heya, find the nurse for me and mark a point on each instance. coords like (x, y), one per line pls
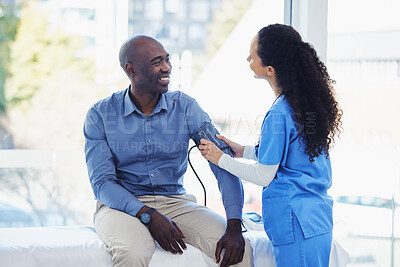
(292, 156)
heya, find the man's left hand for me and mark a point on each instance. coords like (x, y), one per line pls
(232, 242)
(210, 151)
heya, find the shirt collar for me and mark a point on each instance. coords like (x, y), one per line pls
(162, 104)
(130, 107)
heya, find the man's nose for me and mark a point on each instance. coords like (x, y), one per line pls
(166, 66)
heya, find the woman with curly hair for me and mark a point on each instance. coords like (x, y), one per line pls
(292, 155)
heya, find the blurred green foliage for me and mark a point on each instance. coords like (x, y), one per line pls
(8, 26)
(38, 55)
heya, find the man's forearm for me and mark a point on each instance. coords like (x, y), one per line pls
(234, 225)
(141, 211)
(117, 197)
(231, 191)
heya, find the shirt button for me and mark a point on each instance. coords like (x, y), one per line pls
(148, 141)
(152, 175)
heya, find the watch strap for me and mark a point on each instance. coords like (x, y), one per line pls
(150, 211)
(148, 214)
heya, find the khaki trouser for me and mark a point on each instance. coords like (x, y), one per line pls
(131, 243)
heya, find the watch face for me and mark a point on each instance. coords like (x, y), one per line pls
(145, 218)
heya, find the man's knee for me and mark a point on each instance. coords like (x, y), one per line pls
(126, 238)
(247, 256)
(134, 255)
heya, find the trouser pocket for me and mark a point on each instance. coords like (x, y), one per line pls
(277, 214)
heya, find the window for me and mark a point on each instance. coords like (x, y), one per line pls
(137, 5)
(200, 10)
(363, 58)
(154, 9)
(71, 75)
(197, 34)
(176, 9)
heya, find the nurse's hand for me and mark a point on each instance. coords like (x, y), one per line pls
(236, 148)
(210, 151)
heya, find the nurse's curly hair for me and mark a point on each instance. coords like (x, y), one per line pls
(305, 83)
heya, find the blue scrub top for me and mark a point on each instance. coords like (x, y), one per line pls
(300, 186)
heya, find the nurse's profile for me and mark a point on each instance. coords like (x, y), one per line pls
(292, 156)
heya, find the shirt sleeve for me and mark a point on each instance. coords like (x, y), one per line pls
(250, 153)
(272, 139)
(255, 173)
(229, 185)
(101, 168)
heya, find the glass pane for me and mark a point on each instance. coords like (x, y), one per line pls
(200, 10)
(68, 51)
(154, 9)
(363, 58)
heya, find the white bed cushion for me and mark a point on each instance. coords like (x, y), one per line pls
(79, 246)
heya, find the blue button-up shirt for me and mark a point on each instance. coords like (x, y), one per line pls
(129, 154)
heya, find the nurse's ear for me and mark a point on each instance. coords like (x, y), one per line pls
(270, 71)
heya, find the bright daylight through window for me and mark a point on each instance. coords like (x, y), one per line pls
(58, 58)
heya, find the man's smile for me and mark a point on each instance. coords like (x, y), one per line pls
(164, 79)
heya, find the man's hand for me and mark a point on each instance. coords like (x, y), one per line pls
(210, 151)
(232, 242)
(165, 232)
(236, 148)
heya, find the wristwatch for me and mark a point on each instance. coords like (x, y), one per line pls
(146, 216)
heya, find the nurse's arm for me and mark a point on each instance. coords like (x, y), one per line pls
(250, 153)
(255, 173)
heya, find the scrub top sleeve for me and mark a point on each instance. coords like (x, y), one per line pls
(272, 139)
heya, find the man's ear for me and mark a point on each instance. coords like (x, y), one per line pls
(129, 69)
(270, 71)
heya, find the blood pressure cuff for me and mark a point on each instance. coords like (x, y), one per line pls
(209, 132)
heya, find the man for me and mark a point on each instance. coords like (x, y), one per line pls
(136, 152)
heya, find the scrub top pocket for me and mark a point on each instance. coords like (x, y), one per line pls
(277, 216)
